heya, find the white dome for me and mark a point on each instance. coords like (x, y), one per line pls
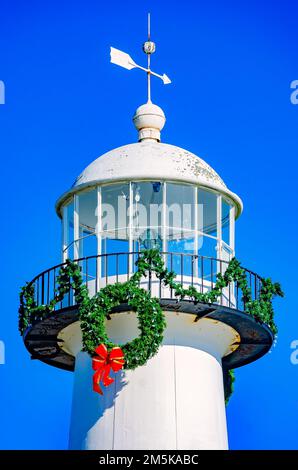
(150, 160)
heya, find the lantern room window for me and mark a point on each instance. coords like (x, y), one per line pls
(147, 215)
(87, 221)
(68, 230)
(131, 216)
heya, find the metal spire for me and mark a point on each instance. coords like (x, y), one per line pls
(149, 48)
(124, 60)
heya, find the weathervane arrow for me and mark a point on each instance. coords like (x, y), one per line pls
(124, 60)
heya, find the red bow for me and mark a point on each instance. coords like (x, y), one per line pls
(103, 363)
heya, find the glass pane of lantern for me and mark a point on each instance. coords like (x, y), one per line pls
(181, 242)
(180, 207)
(208, 246)
(182, 265)
(207, 267)
(207, 202)
(87, 223)
(147, 214)
(114, 215)
(225, 221)
(180, 222)
(117, 263)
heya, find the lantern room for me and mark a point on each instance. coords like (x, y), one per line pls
(148, 195)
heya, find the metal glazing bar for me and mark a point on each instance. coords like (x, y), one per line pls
(106, 268)
(130, 227)
(182, 270)
(86, 270)
(171, 268)
(232, 230)
(98, 229)
(65, 240)
(196, 228)
(218, 226)
(76, 235)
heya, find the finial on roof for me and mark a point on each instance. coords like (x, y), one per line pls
(149, 120)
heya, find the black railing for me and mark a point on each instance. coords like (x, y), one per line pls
(191, 270)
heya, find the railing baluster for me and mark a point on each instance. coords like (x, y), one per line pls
(159, 288)
(96, 274)
(237, 295)
(86, 263)
(181, 262)
(42, 289)
(244, 303)
(220, 270)
(171, 268)
(48, 288)
(54, 284)
(69, 297)
(229, 294)
(138, 256)
(37, 291)
(202, 273)
(106, 262)
(45, 286)
(149, 280)
(256, 291)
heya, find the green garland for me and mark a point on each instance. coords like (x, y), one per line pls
(94, 311)
(229, 385)
(260, 309)
(68, 278)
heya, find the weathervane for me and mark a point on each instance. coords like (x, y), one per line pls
(124, 60)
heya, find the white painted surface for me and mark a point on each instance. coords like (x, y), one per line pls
(175, 401)
(149, 119)
(153, 161)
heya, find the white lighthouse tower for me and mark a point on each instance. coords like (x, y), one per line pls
(177, 399)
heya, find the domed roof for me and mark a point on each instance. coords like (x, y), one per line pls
(150, 160)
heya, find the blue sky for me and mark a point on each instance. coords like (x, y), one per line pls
(231, 64)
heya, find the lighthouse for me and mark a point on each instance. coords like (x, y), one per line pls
(149, 197)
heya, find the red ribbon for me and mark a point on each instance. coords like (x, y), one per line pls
(103, 363)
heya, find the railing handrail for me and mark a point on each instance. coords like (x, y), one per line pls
(122, 253)
(130, 253)
(201, 271)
